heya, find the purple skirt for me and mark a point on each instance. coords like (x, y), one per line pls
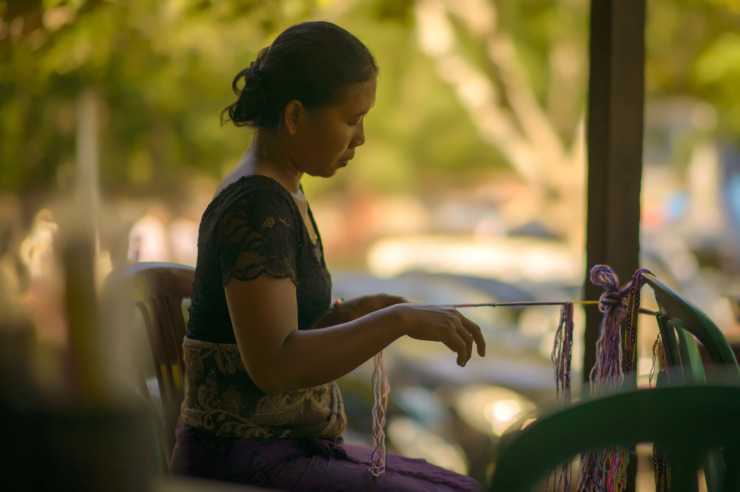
(308, 464)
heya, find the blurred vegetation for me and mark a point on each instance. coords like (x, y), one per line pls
(694, 50)
(161, 71)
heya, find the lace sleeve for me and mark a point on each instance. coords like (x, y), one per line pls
(258, 234)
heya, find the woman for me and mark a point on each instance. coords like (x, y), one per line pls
(265, 345)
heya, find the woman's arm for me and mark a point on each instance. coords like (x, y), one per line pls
(279, 357)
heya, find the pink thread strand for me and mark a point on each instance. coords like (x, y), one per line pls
(381, 390)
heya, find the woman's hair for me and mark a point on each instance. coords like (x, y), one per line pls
(313, 62)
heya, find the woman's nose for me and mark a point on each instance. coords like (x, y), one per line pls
(359, 136)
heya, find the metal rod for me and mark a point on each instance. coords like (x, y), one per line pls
(522, 304)
(539, 303)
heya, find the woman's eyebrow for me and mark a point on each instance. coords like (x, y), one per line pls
(363, 113)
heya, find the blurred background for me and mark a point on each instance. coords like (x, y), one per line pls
(470, 187)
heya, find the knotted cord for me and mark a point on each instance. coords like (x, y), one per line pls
(597, 466)
(605, 469)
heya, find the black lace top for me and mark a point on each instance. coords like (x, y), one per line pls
(254, 227)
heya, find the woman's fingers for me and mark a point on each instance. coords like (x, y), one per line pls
(455, 344)
(467, 339)
(465, 335)
(477, 335)
(447, 325)
(469, 333)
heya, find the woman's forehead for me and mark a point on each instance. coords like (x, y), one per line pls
(360, 96)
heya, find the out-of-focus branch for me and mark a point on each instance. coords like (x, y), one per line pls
(475, 90)
(505, 110)
(500, 100)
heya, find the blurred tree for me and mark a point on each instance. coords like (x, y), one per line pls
(501, 84)
(694, 50)
(519, 70)
(162, 70)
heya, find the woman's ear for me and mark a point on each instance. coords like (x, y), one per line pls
(292, 115)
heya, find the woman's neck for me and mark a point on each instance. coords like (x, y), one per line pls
(267, 157)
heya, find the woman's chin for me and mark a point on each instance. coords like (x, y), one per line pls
(332, 171)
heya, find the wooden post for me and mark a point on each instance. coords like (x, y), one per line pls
(614, 140)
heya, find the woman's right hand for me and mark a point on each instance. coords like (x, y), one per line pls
(445, 324)
(345, 311)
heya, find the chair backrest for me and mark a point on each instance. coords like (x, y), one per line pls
(687, 421)
(681, 323)
(157, 290)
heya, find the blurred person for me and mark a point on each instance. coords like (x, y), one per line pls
(16, 329)
(183, 238)
(265, 344)
(149, 237)
(12, 276)
(44, 296)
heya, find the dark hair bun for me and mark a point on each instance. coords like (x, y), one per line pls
(252, 101)
(313, 62)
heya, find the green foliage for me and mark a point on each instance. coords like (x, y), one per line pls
(162, 70)
(693, 50)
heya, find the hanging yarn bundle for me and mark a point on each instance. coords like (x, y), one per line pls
(605, 469)
(607, 370)
(630, 322)
(562, 354)
(381, 389)
(661, 465)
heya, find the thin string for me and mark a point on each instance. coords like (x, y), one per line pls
(381, 389)
(561, 357)
(661, 465)
(562, 352)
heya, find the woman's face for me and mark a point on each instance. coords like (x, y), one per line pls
(326, 138)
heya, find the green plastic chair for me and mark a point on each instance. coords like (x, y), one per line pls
(680, 324)
(687, 421)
